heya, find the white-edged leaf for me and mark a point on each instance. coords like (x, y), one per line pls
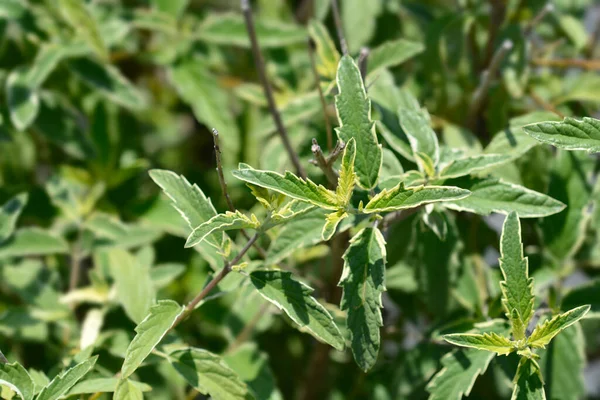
(331, 223)
(289, 185)
(22, 98)
(487, 341)
(66, 380)
(392, 53)
(17, 379)
(528, 383)
(517, 286)
(354, 114)
(570, 134)
(221, 223)
(347, 176)
(543, 333)
(401, 197)
(363, 281)
(422, 139)
(149, 333)
(494, 195)
(9, 213)
(209, 374)
(188, 199)
(294, 298)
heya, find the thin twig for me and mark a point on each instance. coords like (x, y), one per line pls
(548, 8)
(260, 66)
(545, 105)
(323, 164)
(338, 26)
(590, 65)
(245, 333)
(480, 94)
(338, 150)
(363, 58)
(214, 282)
(3, 359)
(76, 261)
(311, 53)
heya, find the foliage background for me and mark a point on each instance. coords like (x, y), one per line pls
(90, 104)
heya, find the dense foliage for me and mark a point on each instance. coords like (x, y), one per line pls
(404, 206)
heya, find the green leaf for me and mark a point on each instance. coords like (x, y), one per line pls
(331, 223)
(347, 176)
(363, 281)
(517, 286)
(298, 109)
(354, 115)
(543, 333)
(209, 374)
(494, 195)
(252, 366)
(150, 332)
(327, 55)
(188, 199)
(359, 21)
(570, 179)
(221, 223)
(135, 289)
(9, 214)
(127, 390)
(66, 380)
(23, 101)
(33, 242)
(400, 197)
(469, 165)
(200, 89)
(422, 138)
(78, 16)
(486, 341)
(458, 374)
(103, 385)
(109, 82)
(564, 363)
(294, 298)
(17, 379)
(528, 383)
(289, 185)
(392, 53)
(171, 7)
(570, 134)
(230, 29)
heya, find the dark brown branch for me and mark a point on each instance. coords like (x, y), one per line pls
(311, 53)
(214, 282)
(260, 67)
(590, 65)
(338, 26)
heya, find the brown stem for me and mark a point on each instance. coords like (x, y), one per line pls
(545, 105)
(338, 26)
(480, 94)
(311, 53)
(592, 65)
(214, 282)
(260, 67)
(338, 150)
(323, 164)
(245, 333)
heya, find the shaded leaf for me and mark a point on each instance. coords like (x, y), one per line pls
(23, 101)
(9, 214)
(294, 298)
(422, 139)
(78, 16)
(208, 374)
(528, 381)
(363, 281)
